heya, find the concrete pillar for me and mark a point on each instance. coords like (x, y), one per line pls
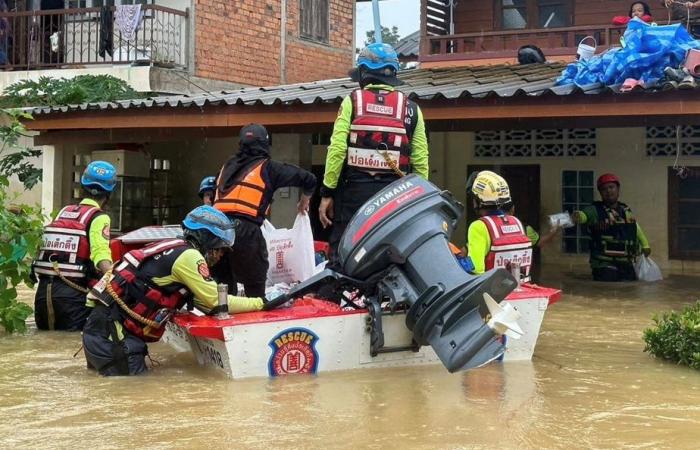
(52, 174)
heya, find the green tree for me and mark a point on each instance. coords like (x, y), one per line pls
(20, 225)
(389, 36)
(676, 336)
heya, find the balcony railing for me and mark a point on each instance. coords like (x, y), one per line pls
(504, 44)
(79, 37)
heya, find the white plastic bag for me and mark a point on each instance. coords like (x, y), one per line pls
(290, 251)
(647, 270)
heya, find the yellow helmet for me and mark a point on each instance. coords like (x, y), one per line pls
(490, 188)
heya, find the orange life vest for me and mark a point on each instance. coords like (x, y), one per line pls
(246, 196)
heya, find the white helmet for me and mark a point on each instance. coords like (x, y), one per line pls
(489, 188)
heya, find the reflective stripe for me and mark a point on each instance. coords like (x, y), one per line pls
(60, 266)
(400, 106)
(133, 261)
(522, 246)
(378, 128)
(65, 231)
(65, 273)
(492, 225)
(358, 103)
(158, 247)
(87, 214)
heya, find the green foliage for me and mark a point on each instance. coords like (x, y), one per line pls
(676, 336)
(47, 91)
(13, 156)
(389, 36)
(20, 225)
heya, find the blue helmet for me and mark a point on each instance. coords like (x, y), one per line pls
(207, 184)
(378, 56)
(210, 228)
(99, 176)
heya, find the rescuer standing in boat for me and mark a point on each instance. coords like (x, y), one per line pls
(244, 191)
(496, 239)
(135, 299)
(616, 237)
(378, 136)
(75, 253)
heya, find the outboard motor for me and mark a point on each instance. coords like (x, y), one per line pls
(396, 247)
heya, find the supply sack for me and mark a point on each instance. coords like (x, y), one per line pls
(290, 251)
(647, 270)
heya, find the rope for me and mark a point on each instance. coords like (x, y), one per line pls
(681, 171)
(391, 162)
(77, 287)
(137, 317)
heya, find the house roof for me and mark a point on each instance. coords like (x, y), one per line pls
(408, 45)
(420, 84)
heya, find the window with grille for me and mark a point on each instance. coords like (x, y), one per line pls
(666, 141)
(577, 192)
(314, 20)
(535, 143)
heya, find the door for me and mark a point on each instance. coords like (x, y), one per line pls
(524, 183)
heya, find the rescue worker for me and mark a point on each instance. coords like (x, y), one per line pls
(378, 136)
(75, 253)
(616, 237)
(496, 239)
(244, 190)
(207, 189)
(135, 299)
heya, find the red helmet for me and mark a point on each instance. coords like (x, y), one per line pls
(608, 178)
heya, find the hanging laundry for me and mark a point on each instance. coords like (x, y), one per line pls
(106, 31)
(127, 18)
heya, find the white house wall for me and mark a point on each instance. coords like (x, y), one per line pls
(619, 150)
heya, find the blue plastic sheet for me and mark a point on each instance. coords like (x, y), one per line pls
(647, 52)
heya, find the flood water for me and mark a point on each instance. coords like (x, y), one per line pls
(588, 386)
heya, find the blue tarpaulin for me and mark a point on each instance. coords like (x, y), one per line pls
(647, 51)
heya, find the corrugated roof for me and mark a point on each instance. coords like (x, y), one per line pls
(420, 84)
(408, 45)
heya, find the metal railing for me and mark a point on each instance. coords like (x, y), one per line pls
(79, 37)
(489, 44)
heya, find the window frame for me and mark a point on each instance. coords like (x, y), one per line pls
(581, 233)
(531, 13)
(320, 33)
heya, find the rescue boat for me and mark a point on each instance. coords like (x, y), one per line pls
(315, 336)
(416, 303)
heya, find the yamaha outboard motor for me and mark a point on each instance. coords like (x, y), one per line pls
(396, 248)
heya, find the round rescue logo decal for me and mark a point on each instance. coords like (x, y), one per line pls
(203, 269)
(293, 351)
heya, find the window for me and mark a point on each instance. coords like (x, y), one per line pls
(314, 22)
(577, 192)
(684, 214)
(521, 14)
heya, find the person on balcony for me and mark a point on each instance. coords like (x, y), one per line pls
(616, 237)
(637, 9)
(75, 253)
(244, 191)
(378, 136)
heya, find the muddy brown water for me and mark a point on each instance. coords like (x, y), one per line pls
(590, 385)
